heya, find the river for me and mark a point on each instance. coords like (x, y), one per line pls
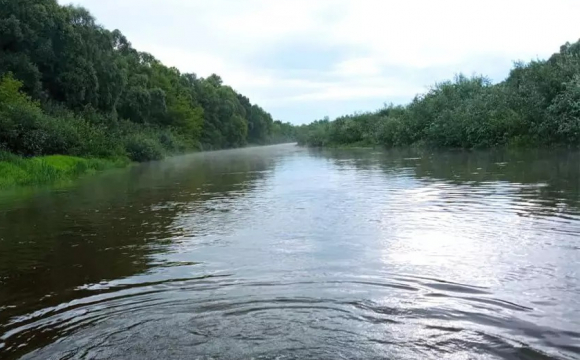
(282, 252)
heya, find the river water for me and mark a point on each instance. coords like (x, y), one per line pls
(288, 253)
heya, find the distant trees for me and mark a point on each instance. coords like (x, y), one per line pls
(283, 132)
(72, 68)
(538, 104)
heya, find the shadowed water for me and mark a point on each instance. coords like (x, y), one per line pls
(287, 253)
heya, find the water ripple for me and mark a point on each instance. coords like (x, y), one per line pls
(299, 254)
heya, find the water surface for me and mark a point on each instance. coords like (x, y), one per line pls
(287, 253)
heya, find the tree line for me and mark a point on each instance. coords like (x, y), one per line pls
(69, 86)
(537, 105)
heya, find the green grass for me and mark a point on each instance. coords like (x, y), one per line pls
(18, 171)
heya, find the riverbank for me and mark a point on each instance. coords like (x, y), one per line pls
(19, 171)
(422, 146)
(535, 106)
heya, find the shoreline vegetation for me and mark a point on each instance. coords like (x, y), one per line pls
(18, 171)
(537, 105)
(74, 94)
(77, 98)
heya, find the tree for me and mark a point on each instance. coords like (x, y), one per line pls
(82, 73)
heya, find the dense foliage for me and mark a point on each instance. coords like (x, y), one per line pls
(69, 86)
(537, 105)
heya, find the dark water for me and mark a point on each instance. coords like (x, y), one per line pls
(287, 253)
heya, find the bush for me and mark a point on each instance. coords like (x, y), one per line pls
(28, 131)
(527, 109)
(141, 148)
(563, 120)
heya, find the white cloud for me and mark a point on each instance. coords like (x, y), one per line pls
(366, 66)
(381, 50)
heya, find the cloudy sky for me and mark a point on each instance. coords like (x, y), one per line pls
(305, 59)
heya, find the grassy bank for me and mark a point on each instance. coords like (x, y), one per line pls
(18, 171)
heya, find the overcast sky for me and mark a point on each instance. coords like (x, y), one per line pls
(304, 59)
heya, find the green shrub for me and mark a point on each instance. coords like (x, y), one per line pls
(563, 120)
(528, 109)
(141, 148)
(28, 131)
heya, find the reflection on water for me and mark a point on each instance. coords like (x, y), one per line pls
(283, 252)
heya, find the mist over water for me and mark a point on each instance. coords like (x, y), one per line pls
(287, 253)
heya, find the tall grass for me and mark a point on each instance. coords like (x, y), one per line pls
(17, 171)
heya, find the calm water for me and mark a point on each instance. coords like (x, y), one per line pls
(288, 253)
